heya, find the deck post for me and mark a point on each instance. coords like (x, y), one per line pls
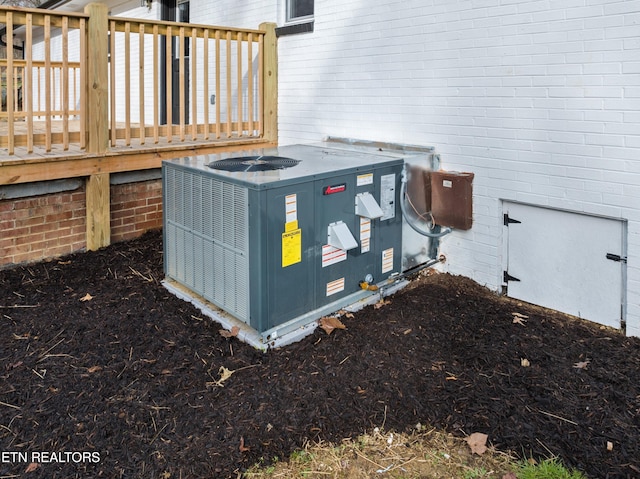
(270, 82)
(98, 211)
(97, 126)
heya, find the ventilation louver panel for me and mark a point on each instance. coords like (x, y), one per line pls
(207, 238)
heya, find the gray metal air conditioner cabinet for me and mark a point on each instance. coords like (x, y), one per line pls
(255, 243)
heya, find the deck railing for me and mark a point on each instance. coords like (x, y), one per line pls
(94, 82)
(39, 84)
(54, 89)
(211, 89)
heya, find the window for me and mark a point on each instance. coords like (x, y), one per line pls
(298, 18)
(299, 10)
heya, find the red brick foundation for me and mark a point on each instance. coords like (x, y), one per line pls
(135, 208)
(53, 225)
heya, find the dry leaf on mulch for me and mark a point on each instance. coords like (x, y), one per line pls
(230, 334)
(242, 447)
(519, 318)
(477, 442)
(581, 364)
(224, 375)
(381, 303)
(329, 323)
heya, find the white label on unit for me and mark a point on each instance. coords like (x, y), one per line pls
(365, 235)
(447, 183)
(291, 208)
(332, 255)
(336, 286)
(366, 179)
(388, 196)
(387, 260)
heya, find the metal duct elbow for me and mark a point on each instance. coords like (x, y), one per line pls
(410, 221)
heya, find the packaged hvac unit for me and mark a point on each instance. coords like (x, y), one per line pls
(280, 237)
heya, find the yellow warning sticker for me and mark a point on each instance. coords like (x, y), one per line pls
(291, 247)
(290, 226)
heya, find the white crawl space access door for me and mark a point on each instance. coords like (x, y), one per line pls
(571, 262)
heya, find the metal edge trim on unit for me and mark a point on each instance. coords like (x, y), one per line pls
(293, 330)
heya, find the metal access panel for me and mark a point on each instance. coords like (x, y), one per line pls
(283, 272)
(570, 262)
(452, 199)
(376, 252)
(270, 246)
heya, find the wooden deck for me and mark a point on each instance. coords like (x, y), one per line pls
(77, 136)
(60, 101)
(123, 146)
(73, 163)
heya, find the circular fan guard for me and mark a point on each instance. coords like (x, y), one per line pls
(254, 163)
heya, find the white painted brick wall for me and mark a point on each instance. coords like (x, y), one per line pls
(540, 99)
(229, 13)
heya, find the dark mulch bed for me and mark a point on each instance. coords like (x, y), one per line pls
(130, 375)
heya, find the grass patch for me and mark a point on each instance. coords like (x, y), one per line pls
(419, 455)
(547, 469)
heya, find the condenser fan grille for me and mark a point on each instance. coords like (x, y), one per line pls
(254, 163)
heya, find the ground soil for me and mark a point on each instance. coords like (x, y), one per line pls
(97, 357)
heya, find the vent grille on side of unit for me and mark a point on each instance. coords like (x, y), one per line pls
(207, 238)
